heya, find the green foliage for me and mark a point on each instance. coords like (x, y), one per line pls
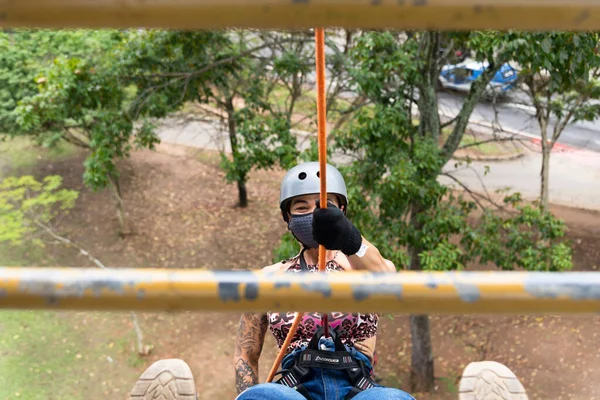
(236, 72)
(312, 152)
(382, 65)
(26, 202)
(530, 238)
(99, 89)
(25, 53)
(395, 197)
(561, 72)
(262, 134)
(288, 247)
(566, 59)
(81, 103)
(168, 68)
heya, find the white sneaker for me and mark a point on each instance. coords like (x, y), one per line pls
(169, 379)
(490, 380)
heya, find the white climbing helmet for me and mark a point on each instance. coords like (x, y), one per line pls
(304, 179)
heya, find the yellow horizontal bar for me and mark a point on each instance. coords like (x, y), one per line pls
(405, 292)
(405, 14)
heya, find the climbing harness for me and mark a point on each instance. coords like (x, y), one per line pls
(312, 357)
(301, 370)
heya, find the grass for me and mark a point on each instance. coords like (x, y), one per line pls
(51, 355)
(21, 153)
(57, 355)
(488, 149)
(305, 104)
(25, 254)
(450, 383)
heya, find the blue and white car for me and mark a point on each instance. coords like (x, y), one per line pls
(460, 77)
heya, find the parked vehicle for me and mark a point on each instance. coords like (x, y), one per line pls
(461, 76)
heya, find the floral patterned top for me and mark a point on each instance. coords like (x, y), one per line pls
(353, 327)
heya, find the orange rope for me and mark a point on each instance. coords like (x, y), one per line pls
(322, 142)
(286, 344)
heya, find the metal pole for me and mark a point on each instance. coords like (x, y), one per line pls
(404, 292)
(292, 14)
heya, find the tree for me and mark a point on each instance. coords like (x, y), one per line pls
(24, 53)
(559, 71)
(251, 81)
(61, 86)
(28, 209)
(104, 99)
(396, 197)
(28, 205)
(82, 102)
(259, 131)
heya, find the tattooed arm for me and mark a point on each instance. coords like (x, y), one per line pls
(248, 346)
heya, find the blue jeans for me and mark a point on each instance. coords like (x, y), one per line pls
(324, 384)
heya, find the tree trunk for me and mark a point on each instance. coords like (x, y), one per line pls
(429, 120)
(545, 172)
(115, 189)
(421, 371)
(243, 194)
(545, 176)
(232, 130)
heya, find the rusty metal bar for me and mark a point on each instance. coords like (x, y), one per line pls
(405, 14)
(405, 292)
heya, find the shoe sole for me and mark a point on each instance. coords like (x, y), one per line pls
(489, 380)
(170, 379)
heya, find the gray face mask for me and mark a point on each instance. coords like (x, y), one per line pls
(301, 228)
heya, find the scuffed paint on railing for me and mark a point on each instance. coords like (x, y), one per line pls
(404, 292)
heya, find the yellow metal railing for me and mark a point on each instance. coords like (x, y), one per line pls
(404, 292)
(405, 14)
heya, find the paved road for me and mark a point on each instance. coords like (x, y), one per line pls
(574, 177)
(516, 116)
(574, 174)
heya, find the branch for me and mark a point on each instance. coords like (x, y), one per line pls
(190, 75)
(561, 125)
(139, 335)
(450, 122)
(223, 61)
(462, 119)
(475, 196)
(309, 117)
(496, 139)
(356, 105)
(69, 137)
(69, 243)
(142, 350)
(448, 50)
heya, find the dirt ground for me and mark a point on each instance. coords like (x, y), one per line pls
(183, 216)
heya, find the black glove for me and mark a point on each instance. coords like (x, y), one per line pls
(333, 230)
